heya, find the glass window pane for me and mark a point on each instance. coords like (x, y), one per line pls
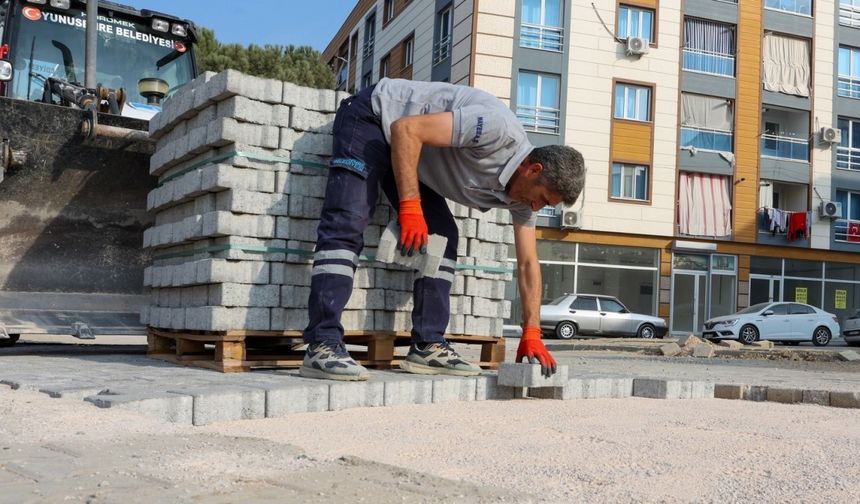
(843, 61)
(551, 250)
(610, 305)
(793, 291)
(834, 291)
(723, 300)
(690, 262)
(623, 27)
(552, 14)
(627, 183)
(634, 288)
(616, 181)
(641, 183)
(765, 266)
(531, 11)
(557, 280)
(802, 268)
(584, 303)
(618, 256)
(619, 100)
(630, 112)
(644, 103)
(549, 91)
(779, 309)
(647, 22)
(527, 88)
(842, 271)
(855, 63)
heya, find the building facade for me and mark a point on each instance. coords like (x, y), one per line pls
(718, 135)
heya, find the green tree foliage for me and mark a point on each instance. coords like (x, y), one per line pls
(300, 65)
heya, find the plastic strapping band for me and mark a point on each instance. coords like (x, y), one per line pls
(249, 155)
(254, 249)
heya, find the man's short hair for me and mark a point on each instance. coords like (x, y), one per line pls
(563, 170)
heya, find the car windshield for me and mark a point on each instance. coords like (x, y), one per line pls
(51, 44)
(754, 308)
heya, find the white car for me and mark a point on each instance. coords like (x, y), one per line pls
(851, 329)
(786, 322)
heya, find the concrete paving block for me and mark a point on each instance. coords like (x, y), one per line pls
(231, 83)
(670, 349)
(488, 389)
(672, 389)
(343, 395)
(849, 356)
(231, 224)
(403, 388)
(515, 374)
(763, 344)
(222, 318)
(688, 340)
(756, 393)
(250, 202)
(309, 120)
(703, 350)
(77, 390)
(587, 388)
(305, 142)
(784, 395)
(731, 344)
(296, 396)
(162, 406)
(820, 397)
(223, 132)
(224, 404)
(450, 389)
(289, 319)
(233, 294)
(245, 110)
(322, 100)
(729, 391)
(845, 399)
(211, 271)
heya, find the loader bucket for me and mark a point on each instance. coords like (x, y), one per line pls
(72, 215)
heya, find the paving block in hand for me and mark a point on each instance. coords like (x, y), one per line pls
(529, 375)
(428, 264)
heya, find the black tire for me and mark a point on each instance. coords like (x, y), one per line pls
(13, 338)
(821, 336)
(748, 334)
(565, 330)
(647, 331)
(852, 343)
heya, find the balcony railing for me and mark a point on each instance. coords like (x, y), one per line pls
(849, 15)
(706, 139)
(548, 38)
(698, 60)
(801, 7)
(442, 50)
(848, 158)
(846, 230)
(368, 47)
(539, 119)
(848, 86)
(782, 147)
(764, 222)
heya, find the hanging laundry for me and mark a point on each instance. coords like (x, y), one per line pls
(778, 221)
(854, 231)
(797, 226)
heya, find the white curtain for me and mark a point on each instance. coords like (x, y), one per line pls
(709, 36)
(704, 207)
(786, 66)
(699, 111)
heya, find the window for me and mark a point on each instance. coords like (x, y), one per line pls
(707, 123)
(384, 66)
(709, 47)
(538, 102)
(369, 35)
(584, 303)
(387, 12)
(799, 309)
(849, 13)
(408, 51)
(800, 7)
(704, 205)
(848, 152)
(442, 47)
(541, 26)
(366, 79)
(848, 228)
(849, 72)
(786, 64)
(612, 306)
(635, 22)
(632, 102)
(630, 182)
(779, 309)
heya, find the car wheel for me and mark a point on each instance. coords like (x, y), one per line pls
(565, 330)
(646, 332)
(748, 334)
(13, 338)
(821, 336)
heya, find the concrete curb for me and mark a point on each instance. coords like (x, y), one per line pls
(655, 347)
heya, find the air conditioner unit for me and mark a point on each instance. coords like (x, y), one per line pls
(830, 135)
(637, 46)
(571, 219)
(830, 209)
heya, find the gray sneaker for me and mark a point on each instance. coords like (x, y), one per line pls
(437, 358)
(331, 362)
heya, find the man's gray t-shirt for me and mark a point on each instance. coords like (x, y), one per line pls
(488, 142)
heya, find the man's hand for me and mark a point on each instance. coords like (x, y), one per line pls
(532, 348)
(413, 227)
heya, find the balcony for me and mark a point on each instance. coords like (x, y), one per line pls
(698, 60)
(848, 86)
(784, 147)
(707, 139)
(779, 234)
(342, 75)
(849, 15)
(846, 230)
(368, 47)
(442, 50)
(539, 119)
(547, 38)
(799, 7)
(848, 158)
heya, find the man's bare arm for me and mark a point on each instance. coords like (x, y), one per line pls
(528, 274)
(408, 134)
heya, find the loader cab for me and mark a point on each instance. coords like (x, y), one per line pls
(148, 54)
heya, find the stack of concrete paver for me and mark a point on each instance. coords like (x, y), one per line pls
(242, 166)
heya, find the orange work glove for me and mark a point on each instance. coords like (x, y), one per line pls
(413, 227)
(532, 348)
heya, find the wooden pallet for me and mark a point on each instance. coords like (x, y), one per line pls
(241, 351)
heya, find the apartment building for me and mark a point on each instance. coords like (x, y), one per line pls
(721, 138)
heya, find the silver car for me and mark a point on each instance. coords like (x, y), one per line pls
(573, 314)
(786, 322)
(851, 329)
